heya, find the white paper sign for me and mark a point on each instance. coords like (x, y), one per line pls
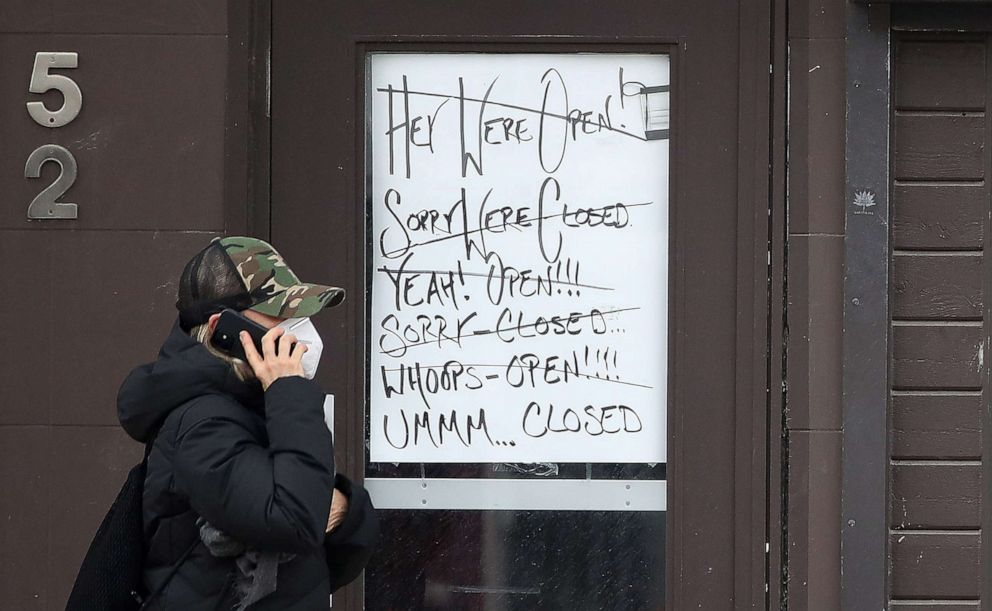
(519, 229)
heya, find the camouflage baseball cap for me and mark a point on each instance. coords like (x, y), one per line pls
(241, 273)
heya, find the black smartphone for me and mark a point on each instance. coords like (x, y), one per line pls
(226, 336)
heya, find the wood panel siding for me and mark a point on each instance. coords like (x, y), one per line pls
(937, 216)
(937, 355)
(927, 605)
(946, 287)
(938, 75)
(939, 146)
(936, 495)
(932, 356)
(938, 565)
(941, 425)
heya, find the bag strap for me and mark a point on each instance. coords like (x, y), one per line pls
(168, 577)
(151, 443)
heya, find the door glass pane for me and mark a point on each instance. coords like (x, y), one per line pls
(507, 560)
(518, 327)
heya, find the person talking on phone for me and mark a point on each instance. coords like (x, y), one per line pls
(241, 492)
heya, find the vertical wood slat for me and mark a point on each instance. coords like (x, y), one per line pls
(939, 147)
(936, 496)
(938, 216)
(937, 357)
(940, 75)
(937, 287)
(939, 565)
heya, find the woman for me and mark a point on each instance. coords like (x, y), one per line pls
(241, 470)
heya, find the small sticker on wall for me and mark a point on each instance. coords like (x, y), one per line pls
(864, 201)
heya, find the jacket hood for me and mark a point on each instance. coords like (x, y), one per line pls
(183, 371)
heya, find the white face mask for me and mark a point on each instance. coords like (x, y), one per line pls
(306, 334)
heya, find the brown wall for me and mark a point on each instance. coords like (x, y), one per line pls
(159, 151)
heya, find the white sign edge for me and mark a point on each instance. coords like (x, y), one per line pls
(518, 494)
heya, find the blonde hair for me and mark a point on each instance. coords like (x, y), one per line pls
(243, 370)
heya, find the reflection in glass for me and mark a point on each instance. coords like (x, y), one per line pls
(518, 561)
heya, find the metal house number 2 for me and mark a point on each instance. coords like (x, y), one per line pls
(44, 205)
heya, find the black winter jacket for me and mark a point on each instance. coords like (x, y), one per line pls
(258, 466)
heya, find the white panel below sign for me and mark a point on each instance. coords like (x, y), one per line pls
(519, 297)
(518, 495)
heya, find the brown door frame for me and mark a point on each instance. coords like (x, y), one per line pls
(864, 514)
(317, 180)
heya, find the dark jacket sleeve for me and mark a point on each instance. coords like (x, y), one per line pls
(275, 498)
(351, 544)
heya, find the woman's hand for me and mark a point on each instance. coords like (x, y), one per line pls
(286, 363)
(339, 509)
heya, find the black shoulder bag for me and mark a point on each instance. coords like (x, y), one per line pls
(110, 577)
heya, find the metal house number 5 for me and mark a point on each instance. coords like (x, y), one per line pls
(44, 206)
(43, 82)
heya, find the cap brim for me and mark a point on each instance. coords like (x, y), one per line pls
(301, 301)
